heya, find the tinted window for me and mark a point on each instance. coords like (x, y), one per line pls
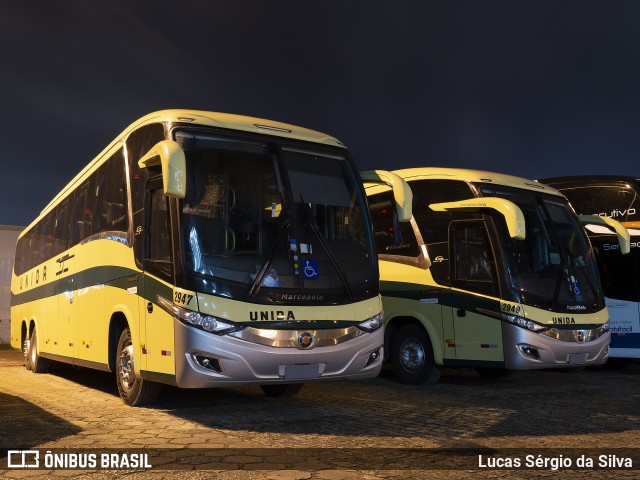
(474, 264)
(616, 201)
(433, 225)
(392, 237)
(61, 228)
(159, 231)
(111, 196)
(82, 212)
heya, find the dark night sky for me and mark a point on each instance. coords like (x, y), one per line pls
(532, 88)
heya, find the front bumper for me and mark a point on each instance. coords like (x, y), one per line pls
(521, 347)
(240, 362)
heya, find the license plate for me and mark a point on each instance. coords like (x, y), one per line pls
(297, 372)
(578, 358)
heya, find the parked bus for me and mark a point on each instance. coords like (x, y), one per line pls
(493, 272)
(612, 197)
(203, 249)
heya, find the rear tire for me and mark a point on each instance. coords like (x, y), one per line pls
(412, 356)
(282, 390)
(134, 390)
(35, 362)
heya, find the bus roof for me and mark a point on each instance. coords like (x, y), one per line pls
(235, 122)
(475, 176)
(590, 180)
(199, 117)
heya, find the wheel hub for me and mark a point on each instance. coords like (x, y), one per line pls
(412, 355)
(127, 375)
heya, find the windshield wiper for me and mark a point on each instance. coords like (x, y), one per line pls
(257, 283)
(334, 261)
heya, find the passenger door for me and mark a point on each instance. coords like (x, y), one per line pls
(474, 287)
(158, 353)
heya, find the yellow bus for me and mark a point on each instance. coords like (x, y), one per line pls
(203, 249)
(493, 272)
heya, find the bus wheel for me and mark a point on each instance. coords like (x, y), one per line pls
(493, 372)
(412, 357)
(25, 352)
(35, 362)
(282, 390)
(133, 390)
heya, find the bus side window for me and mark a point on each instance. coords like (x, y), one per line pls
(474, 265)
(111, 197)
(61, 228)
(391, 236)
(82, 214)
(159, 233)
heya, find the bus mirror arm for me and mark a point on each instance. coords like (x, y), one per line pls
(509, 210)
(621, 232)
(401, 190)
(170, 156)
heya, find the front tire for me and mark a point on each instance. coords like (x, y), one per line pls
(35, 362)
(412, 356)
(282, 390)
(134, 390)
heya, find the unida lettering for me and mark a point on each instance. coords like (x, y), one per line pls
(265, 315)
(563, 320)
(33, 278)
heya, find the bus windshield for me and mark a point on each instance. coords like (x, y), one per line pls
(275, 218)
(553, 267)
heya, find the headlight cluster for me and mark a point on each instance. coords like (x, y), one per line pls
(205, 322)
(524, 323)
(578, 335)
(372, 324)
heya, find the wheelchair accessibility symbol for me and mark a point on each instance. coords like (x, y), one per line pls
(310, 269)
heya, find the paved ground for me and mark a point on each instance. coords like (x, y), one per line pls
(340, 430)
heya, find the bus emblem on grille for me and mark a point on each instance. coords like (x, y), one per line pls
(581, 336)
(306, 340)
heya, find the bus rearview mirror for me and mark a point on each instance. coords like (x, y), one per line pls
(509, 210)
(170, 156)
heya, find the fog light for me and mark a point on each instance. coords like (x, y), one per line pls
(210, 363)
(373, 357)
(529, 351)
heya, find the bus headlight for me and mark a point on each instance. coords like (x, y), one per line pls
(524, 323)
(372, 324)
(205, 322)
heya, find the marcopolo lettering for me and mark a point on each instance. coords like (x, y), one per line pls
(301, 296)
(256, 315)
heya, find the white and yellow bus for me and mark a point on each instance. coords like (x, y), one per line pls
(493, 272)
(204, 250)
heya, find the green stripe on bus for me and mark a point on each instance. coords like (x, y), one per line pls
(106, 275)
